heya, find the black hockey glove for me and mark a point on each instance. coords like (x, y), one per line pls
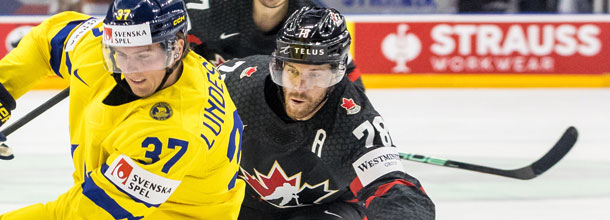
(7, 104)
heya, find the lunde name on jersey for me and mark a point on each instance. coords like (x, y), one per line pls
(214, 111)
(377, 163)
(138, 182)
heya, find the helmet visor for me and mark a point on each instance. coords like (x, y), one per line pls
(130, 49)
(136, 59)
(303, 76)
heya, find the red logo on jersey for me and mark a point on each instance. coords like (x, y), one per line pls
(108, 34)
(350, 106)
(284, 192)
(122, 170)
(247, 72)
(193, 39)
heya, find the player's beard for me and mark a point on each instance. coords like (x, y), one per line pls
(272, 3)
(302, 106)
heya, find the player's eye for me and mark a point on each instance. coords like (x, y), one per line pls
(121, 55)
(292, 72)
(144, 56)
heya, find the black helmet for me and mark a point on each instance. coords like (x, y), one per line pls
(315, 36)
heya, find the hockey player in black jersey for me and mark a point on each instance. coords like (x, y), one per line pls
(223, 30)
(313, 145)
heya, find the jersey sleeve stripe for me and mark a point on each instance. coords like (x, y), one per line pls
(72, 149)
(232, 182)
(68, 63)
(355, 186)
(98, 196)
(148, 205)
(354, 75)
(383, 189)
(57, 46)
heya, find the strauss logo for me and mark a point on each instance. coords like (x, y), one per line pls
(401, 47)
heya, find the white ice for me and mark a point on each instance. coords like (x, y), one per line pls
(503, 128)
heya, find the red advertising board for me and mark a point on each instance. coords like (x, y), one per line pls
(13, 28)
(484, 44)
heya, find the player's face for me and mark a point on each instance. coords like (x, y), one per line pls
(304, 98)
(272, 3)
(132, 60)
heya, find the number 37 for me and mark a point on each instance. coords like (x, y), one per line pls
(368, 129)
(157, 146)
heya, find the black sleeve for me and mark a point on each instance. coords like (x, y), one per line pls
(396, 196)
(380, 182)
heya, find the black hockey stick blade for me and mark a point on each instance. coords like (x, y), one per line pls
(561, 148)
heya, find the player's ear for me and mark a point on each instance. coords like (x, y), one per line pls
(179, 48)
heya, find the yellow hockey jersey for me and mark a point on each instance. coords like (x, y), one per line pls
(173, 155)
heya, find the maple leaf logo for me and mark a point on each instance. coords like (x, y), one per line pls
(282, 191)
(350, 106)
(247, 72)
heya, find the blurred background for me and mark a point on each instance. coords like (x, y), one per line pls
(489, 82)
(30, 7)
(434, 43)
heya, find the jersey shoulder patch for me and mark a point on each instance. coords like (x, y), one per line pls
(80, 32)
(377, 163)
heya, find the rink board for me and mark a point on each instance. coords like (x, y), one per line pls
(412, 51)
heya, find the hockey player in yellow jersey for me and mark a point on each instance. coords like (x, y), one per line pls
(154, 133)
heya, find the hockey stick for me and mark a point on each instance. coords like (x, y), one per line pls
(561, 148)
(6, 153)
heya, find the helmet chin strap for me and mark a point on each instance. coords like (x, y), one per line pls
(169, 70)
(122, 83)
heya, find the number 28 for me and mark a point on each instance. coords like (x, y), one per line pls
(368, 129)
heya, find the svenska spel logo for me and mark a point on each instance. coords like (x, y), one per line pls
(122, 171)
(108, 34)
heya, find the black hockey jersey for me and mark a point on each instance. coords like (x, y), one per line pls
(222, 30)
(343, 153)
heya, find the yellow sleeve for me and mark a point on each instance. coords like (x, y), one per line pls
(40, 54)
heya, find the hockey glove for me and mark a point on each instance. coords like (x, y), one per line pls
(7, 104)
